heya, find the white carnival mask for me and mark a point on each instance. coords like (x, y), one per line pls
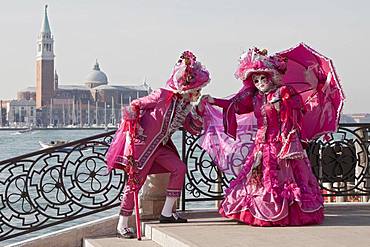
(262, 82)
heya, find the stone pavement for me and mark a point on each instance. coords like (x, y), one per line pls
(344, 226)
(115, 242)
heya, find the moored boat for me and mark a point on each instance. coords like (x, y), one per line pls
(22, 131)
(52, 144)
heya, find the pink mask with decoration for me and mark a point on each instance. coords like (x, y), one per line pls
(262, 82)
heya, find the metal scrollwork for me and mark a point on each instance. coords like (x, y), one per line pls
(340, 161)
(204, 180)
(56, 185)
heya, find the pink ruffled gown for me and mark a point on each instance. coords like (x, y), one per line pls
(276, 186)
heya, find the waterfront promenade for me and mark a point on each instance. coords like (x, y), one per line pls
(346, 224)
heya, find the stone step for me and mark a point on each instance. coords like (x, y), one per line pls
(163, 235)
(194, 233)
(344, 225)
(155, 234)
(113, 241)
(163, 238)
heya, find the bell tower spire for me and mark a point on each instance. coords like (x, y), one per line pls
(44, 63)
(45, 27)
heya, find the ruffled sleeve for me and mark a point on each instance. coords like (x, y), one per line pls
(194, 122)
(241, 103)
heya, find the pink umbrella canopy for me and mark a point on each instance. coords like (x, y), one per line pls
(313, 76)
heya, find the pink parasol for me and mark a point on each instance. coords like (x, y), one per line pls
(313, 76)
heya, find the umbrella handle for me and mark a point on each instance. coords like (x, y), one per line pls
(137, 216)
(132, 129)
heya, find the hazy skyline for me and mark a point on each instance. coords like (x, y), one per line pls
(133, 40)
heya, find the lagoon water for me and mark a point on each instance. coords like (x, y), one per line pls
(13, 143)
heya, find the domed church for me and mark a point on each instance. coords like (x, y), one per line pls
(96, 77)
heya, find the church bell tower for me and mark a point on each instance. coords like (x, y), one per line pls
(44, 64)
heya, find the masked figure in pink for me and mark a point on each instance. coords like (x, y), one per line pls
(275, 186)
(160, 114)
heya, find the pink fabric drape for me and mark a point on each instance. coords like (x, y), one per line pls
(228, 153)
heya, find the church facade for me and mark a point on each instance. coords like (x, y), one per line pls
(95, 102)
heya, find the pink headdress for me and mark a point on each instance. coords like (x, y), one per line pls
(256, 61)
(188, 74)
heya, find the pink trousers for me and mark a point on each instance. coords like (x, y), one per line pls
(163, 160)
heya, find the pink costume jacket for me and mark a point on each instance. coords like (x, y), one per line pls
(282, 124)
(157, 112)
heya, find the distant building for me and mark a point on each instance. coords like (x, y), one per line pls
(3, 104)
(21, 111)
(361, 117)
(347, 118)
(27, 94)
(93, 102)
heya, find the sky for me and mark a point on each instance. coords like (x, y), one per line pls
(137, 40)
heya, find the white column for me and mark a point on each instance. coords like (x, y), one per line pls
(20, 114)
(105, 113)
(96, 113)
(74, 112)
(81, 124)
(51, 112)
(113, 117)
(88, 112)
(120, 112)
(64, 116)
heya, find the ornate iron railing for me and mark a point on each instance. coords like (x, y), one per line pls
(56, 185)
(63, 183)
(340, 161)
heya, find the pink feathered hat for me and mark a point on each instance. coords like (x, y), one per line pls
(188, 74)
(257, 61)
